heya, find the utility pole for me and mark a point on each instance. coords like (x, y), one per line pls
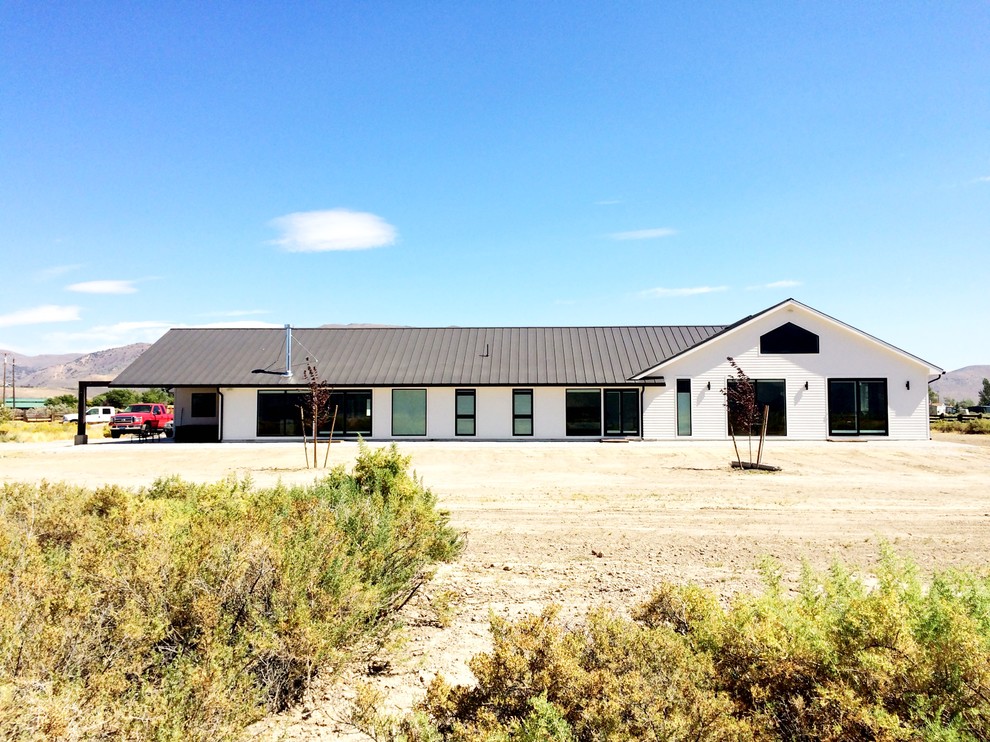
(13, 381)
(3, 400)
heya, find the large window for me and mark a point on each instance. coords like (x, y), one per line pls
(408, 412)
(280, 413)
(769, 393)
(857, 407)
(522, 412)
(621, 412)
(583, 412)
(464, 412)
(353, 407)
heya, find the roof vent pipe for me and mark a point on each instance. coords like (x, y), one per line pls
(288, 351)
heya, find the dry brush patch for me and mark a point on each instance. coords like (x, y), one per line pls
(839, 658)
(185, 611)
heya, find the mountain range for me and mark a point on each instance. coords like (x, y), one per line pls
(963, 383)
(56, 373)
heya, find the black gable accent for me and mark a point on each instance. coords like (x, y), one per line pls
(789, 338)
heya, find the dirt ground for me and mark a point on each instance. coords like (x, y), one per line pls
(588, 524)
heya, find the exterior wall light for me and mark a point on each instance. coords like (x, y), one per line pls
(709, 386)
(907, 385)
(806, 386)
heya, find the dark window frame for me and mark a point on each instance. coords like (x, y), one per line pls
(677, 406)
(290, 415)
(574, 424)
(775, 415)
(289, 418)
(340, 426)
(516, 417)
(857, 382)
(202, 404)
(789, 339)
(426, 412)
(622, 394)
(460, 417)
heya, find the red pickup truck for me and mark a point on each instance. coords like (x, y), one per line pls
(142, 419)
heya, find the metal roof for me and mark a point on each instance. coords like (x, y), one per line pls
(411, 356)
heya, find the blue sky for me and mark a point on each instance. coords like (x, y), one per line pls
(508, 163)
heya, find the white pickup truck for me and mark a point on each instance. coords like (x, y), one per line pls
(93, 415)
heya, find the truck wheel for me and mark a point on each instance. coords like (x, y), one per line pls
(169, 431)
(115, 434)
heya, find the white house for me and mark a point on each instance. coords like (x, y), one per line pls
(819, 377)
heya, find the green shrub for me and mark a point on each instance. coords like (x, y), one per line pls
(979, 425)
(836, 660)
(976, 425)
(185, 611)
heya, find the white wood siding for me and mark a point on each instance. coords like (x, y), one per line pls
(842, 354)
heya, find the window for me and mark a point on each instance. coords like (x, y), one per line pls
(408, 412)
(789, 338)
(621, 412)
(353, 408)
(279, 412)
(203, 404)
(522, 412)
(769, 393)
(583, 412)
(857, 407)
(684, 407)
(464, 408)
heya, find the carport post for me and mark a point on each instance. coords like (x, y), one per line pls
(81, 438)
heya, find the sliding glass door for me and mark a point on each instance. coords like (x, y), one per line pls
(857, 407)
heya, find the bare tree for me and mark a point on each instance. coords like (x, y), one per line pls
(745, 415)
(315, 410)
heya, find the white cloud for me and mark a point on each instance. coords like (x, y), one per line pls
(46, 274)
(663, 293)
(121, 333)
(787, 284)
(103, 287)
(608, 202)
(236, 313)
(334, 229)
(983, 179)
(238, 323)
(39, 315)
(644, 234)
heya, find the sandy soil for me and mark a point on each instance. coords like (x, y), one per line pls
(536, 516)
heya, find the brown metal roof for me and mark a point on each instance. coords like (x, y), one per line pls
(411, 356)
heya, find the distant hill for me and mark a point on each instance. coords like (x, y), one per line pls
(64, 371)
(964, 383)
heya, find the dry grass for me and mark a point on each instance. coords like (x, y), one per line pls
(19, 431)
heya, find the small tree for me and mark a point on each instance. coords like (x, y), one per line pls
(157, 396)
(744, 413)
(985, 393)
(740, 402)
(118, 398)
(315, 409)
(62, 400)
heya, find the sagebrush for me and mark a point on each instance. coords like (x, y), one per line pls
(185, 611)
(835, 660)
